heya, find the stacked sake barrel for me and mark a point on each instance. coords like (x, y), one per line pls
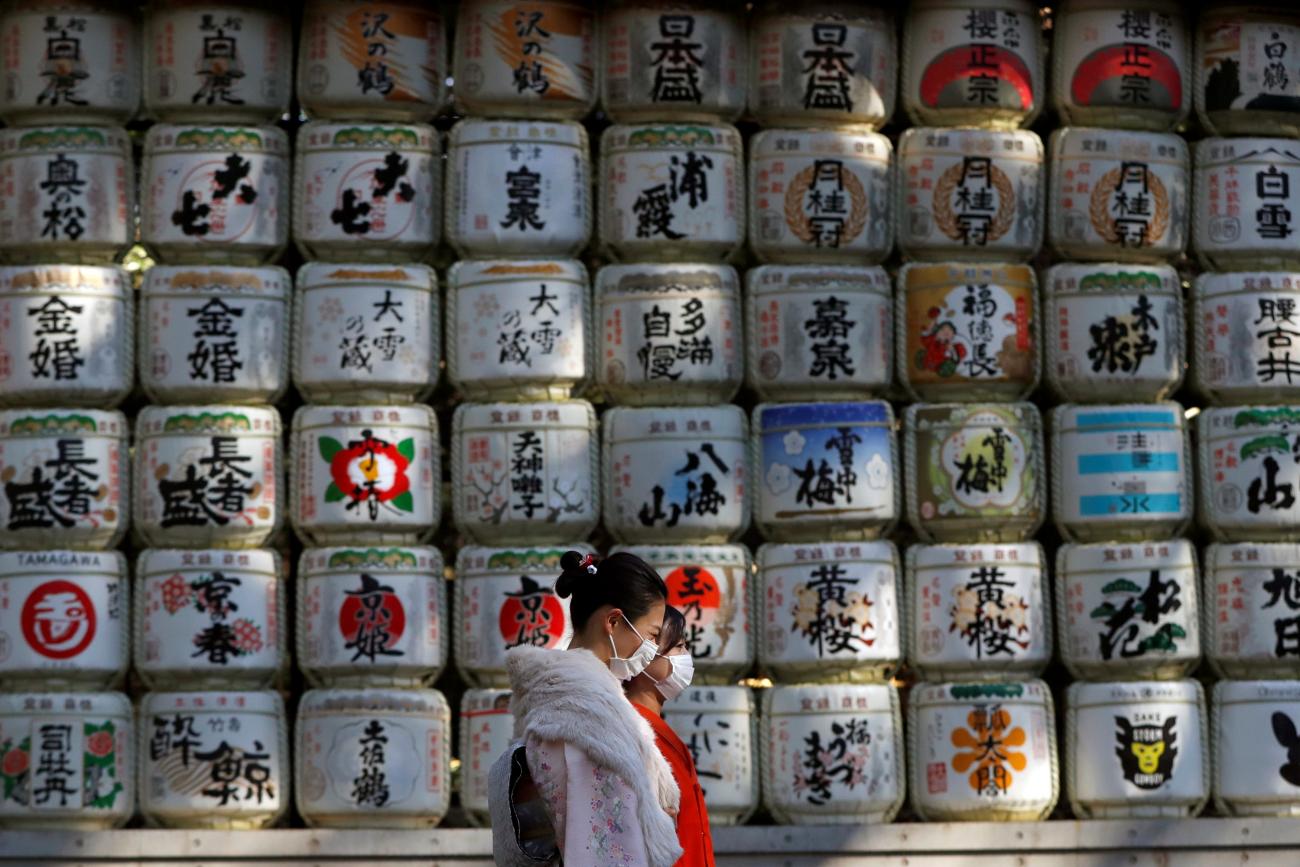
(66, 363)
(372, 738)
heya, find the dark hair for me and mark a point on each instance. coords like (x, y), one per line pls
(673, 630)
(622, 580)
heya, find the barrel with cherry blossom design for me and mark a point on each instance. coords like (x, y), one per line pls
(486, 729)
(719, 725)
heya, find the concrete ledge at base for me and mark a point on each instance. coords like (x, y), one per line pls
(736, 845)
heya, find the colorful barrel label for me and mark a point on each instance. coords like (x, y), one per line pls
(1129, 610)
(1249, 476)
(486, 730)
(1244, 199)
(1244, 325)
(1252, 591)
(1123, 58)
(1249, 62)
(969, 330)
(716, 723)
(978, 58)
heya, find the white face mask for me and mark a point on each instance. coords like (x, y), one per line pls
(626, 668)
(679, 678)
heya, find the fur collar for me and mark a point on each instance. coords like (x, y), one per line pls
(571, 696)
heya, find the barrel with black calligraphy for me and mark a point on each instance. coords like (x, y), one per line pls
(832, 755)
(712, 586)
(977, 612)
(1113, 331)
(1122, 65)
(366, 332)
(1251, 609)
(66, 476)
(1246, 475)
(1243, 324)
(372, 758)
(64, 620)
(229, 61)
(214, 334)
(719, 726)
(973, 63)
(1120, 471)
(829, 612)
(1128, 611)
(1242, 203)
(210, 619)
(208, 476)
(66, 761)
(215, 760)
(982, 751)
(1248, 69)
(974, 472)
(1256, 747)
(1137, 750)
(486, 730)
(67, 335)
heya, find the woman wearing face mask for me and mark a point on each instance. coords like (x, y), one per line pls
(663, 680)
(583, 783)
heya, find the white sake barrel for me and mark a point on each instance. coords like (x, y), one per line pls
(216, 194)
(1120, 471)
(970, 194)
(974, 472)
(676, 474)
(829, 612)
(63, 620)
(673, 59)
(208, 476)
(1113, 331)
(1246, 477)
(228, 60)
(519, 330)
(1250, 609)
(67, 335)
(537, 59)
(367, 192)
(1242, 200)
(66, 476)
(80, 64)
(214, 760)
(66, 761)
(821, 195)
(1118, 195)
(214, 333)
(1256, 747)
(504, 598)
(69, 194)
(371, 617)
(518, 188)
(1248, 69)
(671, 192)
(823, 330)
(367, 473)
(1242, 328)
(977, 612)
(366, 332)
(1137, 750)
(1123, 65)
(1128, 611)
(525, 473)
(967, 331)
(821, 64)
(832, 755)
(210, 619)
(669, 334)
(973, 63)
(486, 730)
(372, 758)
(713, 588)
(386, 63)
(826, 471)
(719, 725)
(982, 751)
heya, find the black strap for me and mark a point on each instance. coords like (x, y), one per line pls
(534, 833)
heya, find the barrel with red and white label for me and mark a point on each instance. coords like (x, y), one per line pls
(63, 620)
(66, 761)
(1256, 747)
(66, 478)
(1251, 602)
(371, 616)
(372, 758)
(1242, 325)
(486, 730)
(719, 726)
(504, 598)
(1242, 215)
(210, 619)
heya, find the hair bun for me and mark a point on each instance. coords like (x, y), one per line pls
(576, 567)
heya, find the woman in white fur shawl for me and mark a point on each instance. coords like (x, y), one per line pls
(584, 782)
